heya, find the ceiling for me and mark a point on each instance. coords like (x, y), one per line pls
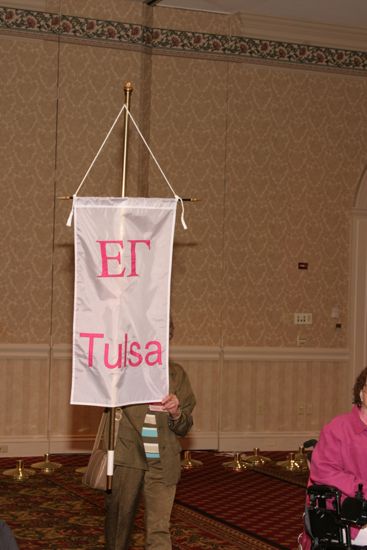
(350, 13)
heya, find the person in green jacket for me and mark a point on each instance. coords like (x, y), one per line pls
(148, 463)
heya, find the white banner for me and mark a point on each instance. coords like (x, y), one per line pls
(123, 260)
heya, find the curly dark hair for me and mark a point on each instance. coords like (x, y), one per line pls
(358, 387)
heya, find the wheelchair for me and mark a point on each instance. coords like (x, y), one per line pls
(328, 518)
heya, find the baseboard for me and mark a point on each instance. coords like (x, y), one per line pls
(67, 445)
(223, 442)
(266, 441)
(200, 441)
(40, 445)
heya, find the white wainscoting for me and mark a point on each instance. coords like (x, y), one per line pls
(271, 398)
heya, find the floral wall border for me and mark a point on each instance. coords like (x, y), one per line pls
(115, 33)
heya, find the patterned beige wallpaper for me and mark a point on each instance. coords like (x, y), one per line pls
(296, 150)
(188, 126)
(274, 152)
(277, 175)
(28, 91)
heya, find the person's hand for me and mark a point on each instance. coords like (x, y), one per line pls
(171, 405)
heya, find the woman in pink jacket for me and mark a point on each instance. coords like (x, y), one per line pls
(340, 456)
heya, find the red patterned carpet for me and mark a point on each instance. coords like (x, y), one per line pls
(262, 506)
(215, 509)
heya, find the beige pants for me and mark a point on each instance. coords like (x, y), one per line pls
(122, 504)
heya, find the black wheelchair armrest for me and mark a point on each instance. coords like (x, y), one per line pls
(323, 491)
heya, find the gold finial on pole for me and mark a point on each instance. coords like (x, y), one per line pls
(128, 89)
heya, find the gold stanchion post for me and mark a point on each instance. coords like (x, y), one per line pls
(188, 463)
(255, 459)
(46, 467)
(19, 473)
(301, 459)
(236, 465)
(290, 464)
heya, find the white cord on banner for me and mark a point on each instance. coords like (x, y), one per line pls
(160, 169)
(70, 218)
(177, 197)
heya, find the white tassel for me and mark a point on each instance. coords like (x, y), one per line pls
(70, 218)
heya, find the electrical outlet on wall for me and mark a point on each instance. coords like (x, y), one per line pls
(303, 318)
